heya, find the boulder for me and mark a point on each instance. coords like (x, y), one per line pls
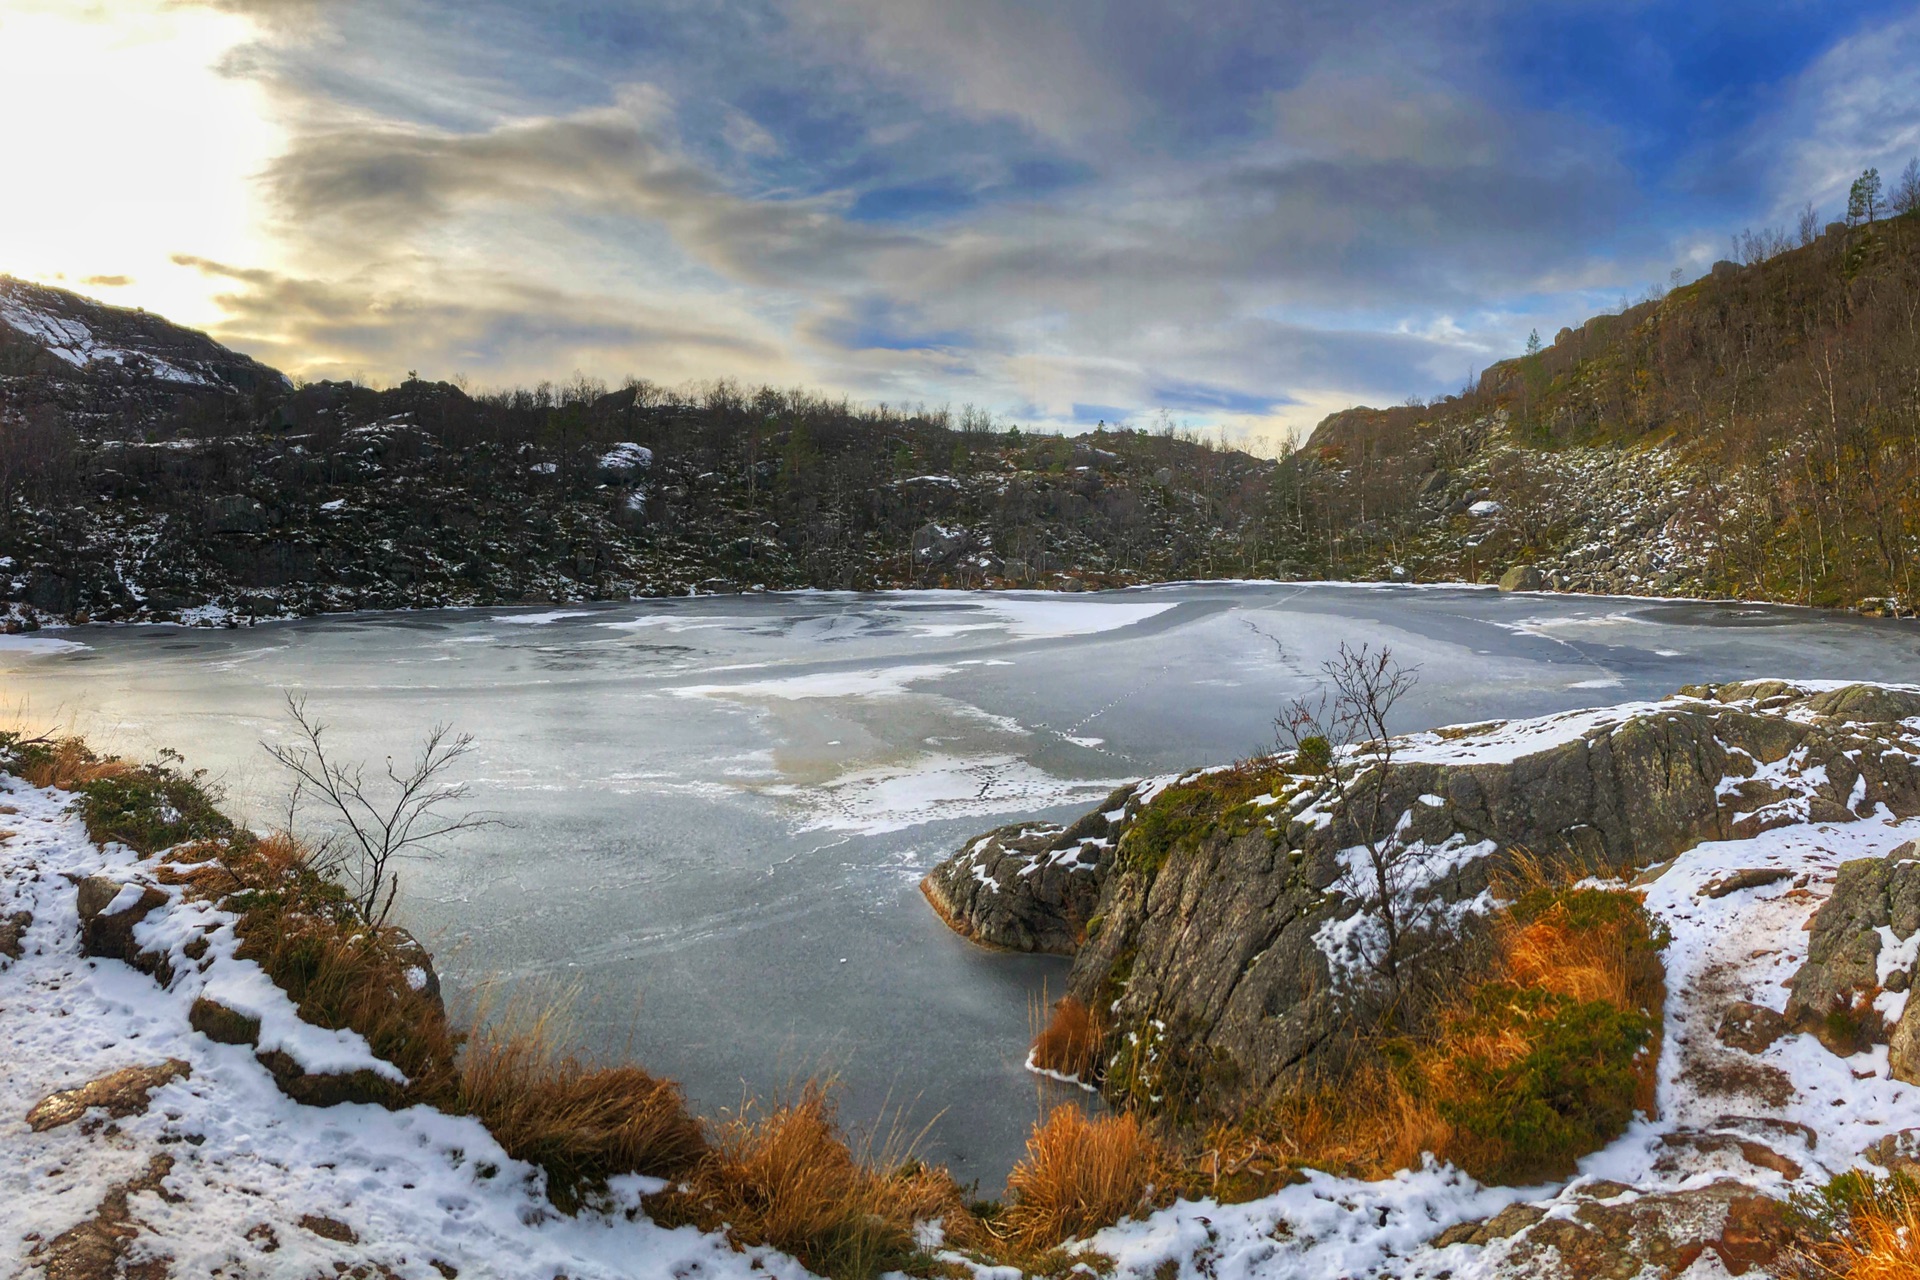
(223, 1025)
(1750, 1027)
(419, 971)
(1842, 968)
(936, 544)
(1030, 886)
(1523, 577)
(235, 513)
(1903, 1045)
(1651, 1237)
(109, 910)
(1897, 1152)
(328, 1089)
(1745, 878)
(12, 929)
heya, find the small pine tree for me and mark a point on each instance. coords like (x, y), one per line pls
(1863, 198)
(1533, 343)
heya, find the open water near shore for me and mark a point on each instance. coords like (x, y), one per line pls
(720, 808)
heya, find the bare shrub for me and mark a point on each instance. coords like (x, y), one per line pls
(1344, 730)
(382, 820)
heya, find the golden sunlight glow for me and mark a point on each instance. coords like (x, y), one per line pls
(127, 146)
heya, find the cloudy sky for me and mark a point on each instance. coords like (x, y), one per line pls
(1242, 214)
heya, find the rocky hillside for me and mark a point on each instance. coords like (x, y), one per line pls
(1752, 434)
(146, 472)
(1231, 957)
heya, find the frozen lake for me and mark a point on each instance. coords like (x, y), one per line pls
(720, 807)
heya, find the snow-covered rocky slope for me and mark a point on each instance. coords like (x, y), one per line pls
(214, 1171)
(182, 1157)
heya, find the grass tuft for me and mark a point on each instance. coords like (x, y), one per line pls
(1070, 1040)
(1860, 1227)
(582, 1123)
(1082, 1173)
(784, 1176)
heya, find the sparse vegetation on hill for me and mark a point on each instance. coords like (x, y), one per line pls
(125, 495)
(1755, 433)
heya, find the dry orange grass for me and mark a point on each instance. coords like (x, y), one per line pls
(1069, 1041)
(1080, 1174)
(70, 763)
(1368, 1125)
(580, 1122)
(1583, 945)
(1885, 1245)
(783, 1175)
(1860, 1228)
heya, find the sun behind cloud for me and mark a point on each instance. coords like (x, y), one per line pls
(140, 147)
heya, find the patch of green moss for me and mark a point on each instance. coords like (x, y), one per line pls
(1189, 812)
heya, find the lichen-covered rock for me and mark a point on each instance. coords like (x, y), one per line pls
(123, 1093)
(1903, 1045)
(1649, 1237)
(1843, 950)
(1220, 956)
(1897, 1152)
(1031, 886)
(13, 929)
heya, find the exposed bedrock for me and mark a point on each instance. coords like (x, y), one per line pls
(1212, 942)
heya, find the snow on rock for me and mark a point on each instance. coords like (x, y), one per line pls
(415, 1190)
(74, 343)
(626, 457)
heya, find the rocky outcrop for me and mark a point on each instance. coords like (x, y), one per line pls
(109, 912)
(1031, 886)
(1831, 992)
(1649, 1237)
(1222, 955)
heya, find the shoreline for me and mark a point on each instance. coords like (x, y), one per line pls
(230, 621)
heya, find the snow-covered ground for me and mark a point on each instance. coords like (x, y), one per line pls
(415, 1187)
(418, 1187)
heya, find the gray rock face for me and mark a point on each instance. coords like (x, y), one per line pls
(1031, 886)
(1843, 953)
(1212, 950)
(235, 513)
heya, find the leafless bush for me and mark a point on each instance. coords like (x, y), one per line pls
(1341, 732)
(380, 821)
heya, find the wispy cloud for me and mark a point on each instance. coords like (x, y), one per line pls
(1244, 213)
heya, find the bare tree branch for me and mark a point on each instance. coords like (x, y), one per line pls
(397, 816)
(1341, 733)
